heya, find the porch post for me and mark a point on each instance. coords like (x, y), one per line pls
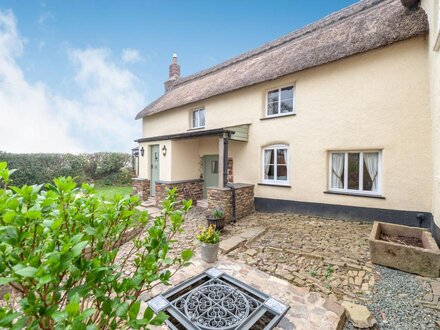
(223, 144)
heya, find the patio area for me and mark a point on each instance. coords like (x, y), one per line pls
(327, 256)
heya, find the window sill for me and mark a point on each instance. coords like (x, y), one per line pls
(279, 116)
(196, 128)
(274, 185)
(353, 194)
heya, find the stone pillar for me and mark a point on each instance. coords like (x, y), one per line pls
(141, 187)
(221, 198)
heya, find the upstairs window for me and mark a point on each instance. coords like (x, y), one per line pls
(355, 172)
(280, 101)
(275, 165)
(198, 118)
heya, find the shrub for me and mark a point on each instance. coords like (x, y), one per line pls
(59, 250)
(41, 168)
(217, 214)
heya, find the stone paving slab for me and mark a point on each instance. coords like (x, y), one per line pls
(231, 243)
(308, 310)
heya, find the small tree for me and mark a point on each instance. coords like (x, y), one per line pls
(59, 249)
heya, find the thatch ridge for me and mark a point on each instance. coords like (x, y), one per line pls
(363, 26)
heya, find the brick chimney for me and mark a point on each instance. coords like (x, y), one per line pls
(174, 74)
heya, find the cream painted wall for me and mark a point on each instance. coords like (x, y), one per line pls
(164, 161)
(376, 100)
(432, 9)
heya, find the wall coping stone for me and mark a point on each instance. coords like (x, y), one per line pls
(139, 179)
(235, 185)
(178, 181)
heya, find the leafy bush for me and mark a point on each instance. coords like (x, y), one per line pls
(209, 235)
(112, 167)
(217, 214)
(59, 250)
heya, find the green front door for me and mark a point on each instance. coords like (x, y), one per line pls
(154, 174)
(210, 172)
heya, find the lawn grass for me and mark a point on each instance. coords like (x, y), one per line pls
(109, 191)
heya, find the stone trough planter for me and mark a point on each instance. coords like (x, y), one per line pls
(392, 246)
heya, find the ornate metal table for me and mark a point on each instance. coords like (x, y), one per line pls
(214, 300)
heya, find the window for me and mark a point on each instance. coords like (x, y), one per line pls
(198, 118)
(280, 101)
(355, 172)
(276, 165)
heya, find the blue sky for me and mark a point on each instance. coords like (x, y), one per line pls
(73, 74)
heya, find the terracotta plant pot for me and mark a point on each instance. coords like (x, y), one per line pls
(209, 252)
(219, 223)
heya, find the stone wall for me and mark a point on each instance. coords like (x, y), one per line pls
(141, 187)
(186, 189)
(221, 198)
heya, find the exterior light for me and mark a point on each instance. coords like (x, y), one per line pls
(164, 151)
(142, 151)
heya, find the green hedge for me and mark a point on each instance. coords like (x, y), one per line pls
(102, 167)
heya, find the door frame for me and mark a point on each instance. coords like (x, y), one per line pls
(152, 184)
(204, 157)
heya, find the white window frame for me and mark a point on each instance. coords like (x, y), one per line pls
(359, 191)
(197, 112)
(275, 181)
(279, 114)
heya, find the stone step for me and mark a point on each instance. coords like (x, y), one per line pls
(231, 243)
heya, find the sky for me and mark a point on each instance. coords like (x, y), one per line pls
(74, 74)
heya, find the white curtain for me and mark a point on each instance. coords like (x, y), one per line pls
(337, 168)
(267, 158)
(371, 162)
(285, 155)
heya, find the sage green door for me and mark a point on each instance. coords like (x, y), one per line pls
(210, 172)
(154, 174)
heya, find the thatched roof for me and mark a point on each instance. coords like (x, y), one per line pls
(366, 25)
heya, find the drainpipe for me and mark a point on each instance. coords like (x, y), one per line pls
(234, 208)
(226, 137)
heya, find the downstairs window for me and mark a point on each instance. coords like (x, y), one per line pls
(355, 172)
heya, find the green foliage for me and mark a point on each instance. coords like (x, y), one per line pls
(329, 272)
(111, 167)
(59, 250)
(209, 235)
(217, 214)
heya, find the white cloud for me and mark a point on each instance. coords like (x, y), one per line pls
(131, 56)
(34, 119)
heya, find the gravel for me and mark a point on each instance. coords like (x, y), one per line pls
(393, 302)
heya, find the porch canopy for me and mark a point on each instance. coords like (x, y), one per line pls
(235, 133)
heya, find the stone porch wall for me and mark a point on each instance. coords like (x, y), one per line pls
(186, 189)
(141, 187)
(221, 198)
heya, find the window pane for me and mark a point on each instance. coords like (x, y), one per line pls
(269, 172)
(272, 96)
(281, 156)
(338, 161)
(214, 167)
(272, 108)
(287, 93)
(281, 172)
(286, 106)
(371, 162)
(195, 119)
(202, 118)
(353, 171)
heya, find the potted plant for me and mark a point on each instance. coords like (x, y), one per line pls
(217, 219)
(209, 238)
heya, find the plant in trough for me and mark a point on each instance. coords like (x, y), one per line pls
(217, 214)
(60, 252)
